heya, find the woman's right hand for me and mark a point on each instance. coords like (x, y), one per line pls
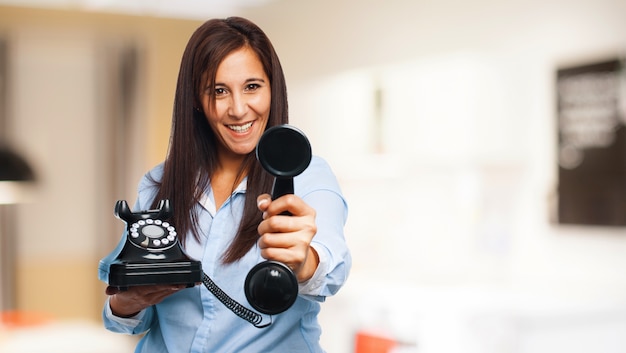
(130, 302)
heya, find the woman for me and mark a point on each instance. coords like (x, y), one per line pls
(230, 89)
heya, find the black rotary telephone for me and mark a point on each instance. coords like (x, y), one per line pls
(152, 255)
(152, 252)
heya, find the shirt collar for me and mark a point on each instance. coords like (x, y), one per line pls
(208, 201)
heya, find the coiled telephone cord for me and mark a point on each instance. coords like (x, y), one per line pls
(238, 309)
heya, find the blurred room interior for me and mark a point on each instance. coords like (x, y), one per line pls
(440, 118)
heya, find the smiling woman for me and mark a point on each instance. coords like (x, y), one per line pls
(230, 90)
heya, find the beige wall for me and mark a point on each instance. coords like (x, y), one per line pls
(56, 98)
(163, 40)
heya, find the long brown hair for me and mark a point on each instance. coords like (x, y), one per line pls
(192, 155)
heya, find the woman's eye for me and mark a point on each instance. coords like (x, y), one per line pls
(252, 86)
(219, 91)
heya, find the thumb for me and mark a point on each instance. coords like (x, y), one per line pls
(263, 202)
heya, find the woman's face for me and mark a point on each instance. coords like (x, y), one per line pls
(242, 102)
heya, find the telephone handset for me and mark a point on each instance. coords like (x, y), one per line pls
(271, 287)
(152, 253)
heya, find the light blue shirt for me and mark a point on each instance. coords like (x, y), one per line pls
(193, 320)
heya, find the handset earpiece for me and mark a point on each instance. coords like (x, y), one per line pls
(271, 287)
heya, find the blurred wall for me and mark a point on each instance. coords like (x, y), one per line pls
(69, 114)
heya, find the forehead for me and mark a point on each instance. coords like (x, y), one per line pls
(240, 64)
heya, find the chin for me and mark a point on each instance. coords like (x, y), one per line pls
(244, 151)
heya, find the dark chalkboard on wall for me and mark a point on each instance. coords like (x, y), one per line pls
(592, 144)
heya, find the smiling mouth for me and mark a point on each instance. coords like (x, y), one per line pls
(240, 128)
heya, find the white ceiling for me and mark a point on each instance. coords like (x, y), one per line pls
(187, 9)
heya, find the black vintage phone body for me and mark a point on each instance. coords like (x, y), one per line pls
(152, 253)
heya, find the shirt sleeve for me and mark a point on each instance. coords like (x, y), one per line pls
(132, 325)
(319, 189)
(314, 284)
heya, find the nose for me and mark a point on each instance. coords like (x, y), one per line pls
(238, 106)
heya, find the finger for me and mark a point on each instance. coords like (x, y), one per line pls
(156, 298)
(291, 257)
(295, 240)
(263, 201)
(112, 290)
(274, 240)
(300, 226)
(164, 290)
(155, 294)
(147, 291)
(290, 203)
(278, 224)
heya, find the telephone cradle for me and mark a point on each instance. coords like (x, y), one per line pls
(152, 253)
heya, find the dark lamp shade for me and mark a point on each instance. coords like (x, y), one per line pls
(13, 167)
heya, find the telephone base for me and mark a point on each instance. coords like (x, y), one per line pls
(128, 274)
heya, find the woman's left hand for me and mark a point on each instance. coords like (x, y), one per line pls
(287, 238)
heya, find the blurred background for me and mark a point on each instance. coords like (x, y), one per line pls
(453, 127)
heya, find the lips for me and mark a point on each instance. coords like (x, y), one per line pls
(240, 128)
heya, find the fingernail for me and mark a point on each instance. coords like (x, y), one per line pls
(262, 202)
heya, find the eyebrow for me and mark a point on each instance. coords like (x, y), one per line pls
(252, 79)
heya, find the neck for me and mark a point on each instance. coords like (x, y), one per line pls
(226, 177)
(229, 162)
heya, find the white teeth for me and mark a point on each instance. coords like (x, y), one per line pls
(240, 128)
